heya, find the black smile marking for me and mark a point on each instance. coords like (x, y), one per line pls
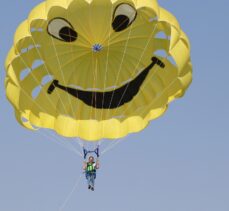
(110, 99)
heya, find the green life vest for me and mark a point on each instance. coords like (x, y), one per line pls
(91, 167)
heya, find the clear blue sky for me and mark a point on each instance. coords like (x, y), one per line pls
(179, 163)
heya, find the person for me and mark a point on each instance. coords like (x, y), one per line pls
(90, 168)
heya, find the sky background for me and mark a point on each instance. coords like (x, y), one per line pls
(179, 163)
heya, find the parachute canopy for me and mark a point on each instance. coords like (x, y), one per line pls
(96, 68)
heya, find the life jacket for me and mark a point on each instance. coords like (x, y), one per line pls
(91, 167)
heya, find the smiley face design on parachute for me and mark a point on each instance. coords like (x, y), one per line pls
(123, 17)
(108, 65)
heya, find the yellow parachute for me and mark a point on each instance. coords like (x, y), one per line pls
(96, 68)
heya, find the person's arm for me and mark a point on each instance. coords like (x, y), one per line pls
(97, 166)
(84, 165)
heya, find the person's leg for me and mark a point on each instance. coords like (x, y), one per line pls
(92, 182)
(88, 181)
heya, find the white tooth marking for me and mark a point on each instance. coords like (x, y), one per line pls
(93, 89)
(110, 88)
(75, 86)
(139, 71)
(127, 81)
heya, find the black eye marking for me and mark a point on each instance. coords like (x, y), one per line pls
(120, 23)
(124, 16)
(61, 29)
(68, 34)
